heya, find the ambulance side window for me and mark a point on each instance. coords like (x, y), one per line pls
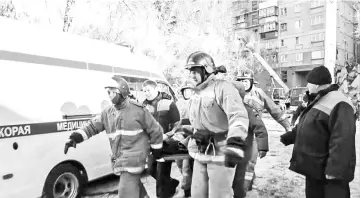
(164, 87)
(135, 84)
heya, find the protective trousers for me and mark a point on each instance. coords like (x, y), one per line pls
(186, 168)
(212, 180)
(250, 169)
(327, 188)
(161, 171)
(239, 177)
(130, 186)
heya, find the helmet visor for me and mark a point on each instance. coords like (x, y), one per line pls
(190, 66)
(112, 90)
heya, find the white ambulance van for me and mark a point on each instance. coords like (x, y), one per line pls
(50, 84)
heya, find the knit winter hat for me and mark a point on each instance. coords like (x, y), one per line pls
(319, 76)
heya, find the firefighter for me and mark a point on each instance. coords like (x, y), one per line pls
(220, 122)
(258, 100)
(132, 133)
(166, 113)
(256, 128)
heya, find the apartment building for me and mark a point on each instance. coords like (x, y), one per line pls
(302, 37)
(292, 34)
(245, 17)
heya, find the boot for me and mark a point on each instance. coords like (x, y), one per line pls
(187, 193)
(248, 181)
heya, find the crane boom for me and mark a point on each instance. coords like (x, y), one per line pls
(272, 73)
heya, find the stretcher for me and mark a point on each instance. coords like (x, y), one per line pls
(173, 157)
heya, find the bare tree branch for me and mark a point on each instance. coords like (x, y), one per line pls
(67, 18)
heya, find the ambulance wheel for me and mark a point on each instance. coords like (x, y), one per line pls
(64, 181)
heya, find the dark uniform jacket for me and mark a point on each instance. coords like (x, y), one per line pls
(164, 111)
(324, 139)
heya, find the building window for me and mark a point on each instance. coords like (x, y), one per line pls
(274, 58)
(316, 20)
(268, 45)
(282, 42)
(254, 5)
(283, 26)
(284, 11)
(317, 3)
(298, 24)
(297, 8)
(254, 19)
(284, 76)
(317, 54)
(283, 58)
(297, 40)
(262, 13)
(318, 37)
(299, 56)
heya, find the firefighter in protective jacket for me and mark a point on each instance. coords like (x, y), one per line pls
(220, 123)
(131, 130)
(256, 128)
(258, 100)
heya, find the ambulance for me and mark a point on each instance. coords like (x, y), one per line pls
(51, 83)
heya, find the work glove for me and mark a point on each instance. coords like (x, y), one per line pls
(288, 138)
(262, 154)
(233, 152)
(157, 153)
(231, 161)
(74, 139)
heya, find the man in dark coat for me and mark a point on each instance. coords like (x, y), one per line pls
(324, 139)
(166, 113)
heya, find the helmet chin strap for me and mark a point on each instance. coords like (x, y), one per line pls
(118, 100)
(204, 75)
(250, 86)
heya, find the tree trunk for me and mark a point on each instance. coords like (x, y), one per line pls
(67, 16)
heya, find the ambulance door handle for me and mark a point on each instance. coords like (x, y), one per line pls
(78, 116)
(7, 176)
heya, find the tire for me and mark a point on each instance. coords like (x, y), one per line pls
(66, 180)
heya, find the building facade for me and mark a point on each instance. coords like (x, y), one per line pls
(292, 36)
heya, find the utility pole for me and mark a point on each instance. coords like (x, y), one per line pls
(330, 36)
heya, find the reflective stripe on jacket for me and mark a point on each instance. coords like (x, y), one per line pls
(131, 130)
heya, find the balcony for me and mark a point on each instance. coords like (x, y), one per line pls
(269, 27)
(268, 12)
(240, 25)
(267, 4)
(268, 20)
(239, 12)
(269, 35)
